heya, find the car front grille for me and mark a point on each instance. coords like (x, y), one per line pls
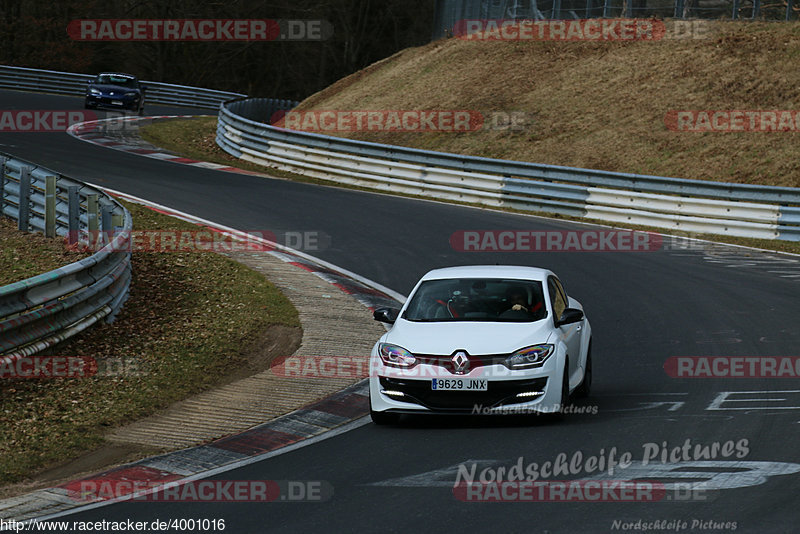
(446, 362)
(498, 393)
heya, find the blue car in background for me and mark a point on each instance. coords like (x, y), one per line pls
(115, 91)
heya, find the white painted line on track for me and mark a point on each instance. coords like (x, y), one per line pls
(198, 220)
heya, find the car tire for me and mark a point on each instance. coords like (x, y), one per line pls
(583, 390)
(384, 418)
(141, 110)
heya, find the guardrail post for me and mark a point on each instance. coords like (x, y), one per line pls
(756, 9)
(107, 223)
(74, 217)
(735, 13)
(556, 9)
(788, 9)
(24, 199)
(606, 8)
(92, 207)
(49, 206)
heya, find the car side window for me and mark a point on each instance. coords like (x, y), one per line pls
(563, 293)
(558, 299)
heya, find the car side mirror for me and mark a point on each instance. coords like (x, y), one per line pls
(386, 315)
(570, 315)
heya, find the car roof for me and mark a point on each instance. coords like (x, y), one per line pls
(489, 271)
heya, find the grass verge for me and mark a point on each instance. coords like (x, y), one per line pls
(606, 105)
(195, 138)
(193, 321)
(23, 254)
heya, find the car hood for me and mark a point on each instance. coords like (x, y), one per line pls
(477, 338)
(116, 88)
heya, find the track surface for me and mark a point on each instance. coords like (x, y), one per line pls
(644, 308)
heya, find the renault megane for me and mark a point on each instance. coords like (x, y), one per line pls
(481, 339)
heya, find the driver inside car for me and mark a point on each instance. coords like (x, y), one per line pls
(518, 299)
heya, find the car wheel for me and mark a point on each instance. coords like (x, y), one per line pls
(384, 418)
(87, 105)
(583, 390)
(141, 110)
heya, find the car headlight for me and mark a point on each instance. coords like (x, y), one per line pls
(395, 356)
(529, 357)
(94, 92)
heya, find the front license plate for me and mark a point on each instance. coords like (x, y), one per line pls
(117, 102)
(459, 384)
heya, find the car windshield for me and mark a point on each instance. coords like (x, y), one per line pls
(477, 299)
(115, 79)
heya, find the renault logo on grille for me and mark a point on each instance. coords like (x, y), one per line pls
(460, 362)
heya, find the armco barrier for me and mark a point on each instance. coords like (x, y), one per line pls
(688, 205)
(71, 84)
(44, 310)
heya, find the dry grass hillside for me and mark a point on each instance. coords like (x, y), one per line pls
(599, 104)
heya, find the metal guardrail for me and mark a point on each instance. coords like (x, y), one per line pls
(673, 203)
(72, 84)
(46, 309)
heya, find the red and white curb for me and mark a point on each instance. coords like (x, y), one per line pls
(98, 131)
(336, 414)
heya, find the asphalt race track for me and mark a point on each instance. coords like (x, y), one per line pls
(644, 308)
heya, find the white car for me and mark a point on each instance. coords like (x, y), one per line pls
(484, 339)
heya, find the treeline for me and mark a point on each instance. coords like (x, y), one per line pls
(33, 33)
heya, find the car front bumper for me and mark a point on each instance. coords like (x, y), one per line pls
(532, 391)
(112, 102)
